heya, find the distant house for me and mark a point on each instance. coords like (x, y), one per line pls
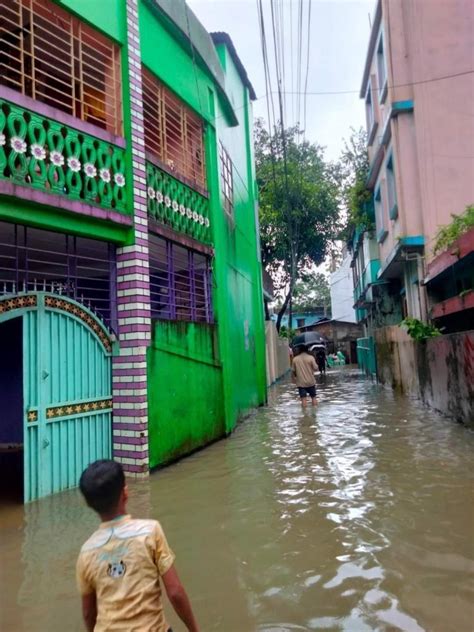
(303, 319)
(340, 336)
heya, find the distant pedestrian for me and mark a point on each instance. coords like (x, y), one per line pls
(120, 566)
(303, 369)
(321, 359)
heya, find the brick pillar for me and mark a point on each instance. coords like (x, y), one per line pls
(130, 421)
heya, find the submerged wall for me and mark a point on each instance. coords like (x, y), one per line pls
(277, 353)
(439, 371)
(185, 391)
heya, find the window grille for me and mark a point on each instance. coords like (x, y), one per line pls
(180, 282)
(227, 180)
(32, 259)
(51, 56)
(173, 133)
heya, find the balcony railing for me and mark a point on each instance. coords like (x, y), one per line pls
(39, 152)
(177, 205)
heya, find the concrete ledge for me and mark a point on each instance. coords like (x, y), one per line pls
(56, 201)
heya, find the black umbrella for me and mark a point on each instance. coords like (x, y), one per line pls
(308, 338)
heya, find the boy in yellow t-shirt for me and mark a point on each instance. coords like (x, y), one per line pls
(120, 566)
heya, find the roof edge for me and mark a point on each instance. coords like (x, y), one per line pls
(370, 50)
(220, 37)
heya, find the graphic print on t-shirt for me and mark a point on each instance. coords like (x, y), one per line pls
(116, 570)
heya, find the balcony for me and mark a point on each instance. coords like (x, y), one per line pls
(174, 204)
(51, 162)
(368, 278)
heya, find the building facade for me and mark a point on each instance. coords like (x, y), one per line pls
(418, 78)
(342, 291)
(419, 70)
(130, 276)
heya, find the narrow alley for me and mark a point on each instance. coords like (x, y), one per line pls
(354, 516)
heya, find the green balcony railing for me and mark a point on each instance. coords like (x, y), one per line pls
(177, 205)
(49, 156)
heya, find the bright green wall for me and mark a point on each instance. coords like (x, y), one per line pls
(238, 295)
(106, 15)
(168, 60)
(238, 291)
(185, 393)
(16, 211)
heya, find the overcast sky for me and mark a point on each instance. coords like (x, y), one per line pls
(338, 45)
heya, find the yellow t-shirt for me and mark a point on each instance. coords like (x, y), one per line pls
(303, 367)
(122, 563)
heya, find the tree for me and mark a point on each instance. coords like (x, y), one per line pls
(312, 290)
(353, 172)
(299, 206)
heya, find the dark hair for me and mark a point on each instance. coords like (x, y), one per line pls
(101, 484)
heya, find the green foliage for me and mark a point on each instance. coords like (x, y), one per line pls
(311, 290)
(418, 330)
(460, 224)
(299, 206)
(353, 169)
(286, 333)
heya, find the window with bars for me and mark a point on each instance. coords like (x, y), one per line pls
(51, 56)
(173, 133)
(227, 180)
(32, 259)
(180, 282)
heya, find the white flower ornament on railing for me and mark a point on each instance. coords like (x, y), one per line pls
(56, 158)
(18, 144)
(90, 170)
(104, 175)
(119, 179)
(38, 151)
(74, 164)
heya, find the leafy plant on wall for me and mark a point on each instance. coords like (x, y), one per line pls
(418, 330)
(459, 225)
(353, 171)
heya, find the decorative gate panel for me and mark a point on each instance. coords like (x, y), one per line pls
(67, 391)
(31, 436)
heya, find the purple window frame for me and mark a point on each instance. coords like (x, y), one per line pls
(180, 282)
(90, 280)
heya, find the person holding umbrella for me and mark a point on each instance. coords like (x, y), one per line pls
(303, 369)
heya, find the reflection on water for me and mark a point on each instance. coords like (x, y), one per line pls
(355, 516)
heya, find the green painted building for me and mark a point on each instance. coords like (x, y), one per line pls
(130, 274)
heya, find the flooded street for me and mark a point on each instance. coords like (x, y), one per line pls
(355, 516)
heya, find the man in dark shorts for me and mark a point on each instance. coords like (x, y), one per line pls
(303, 369)
(321, 359)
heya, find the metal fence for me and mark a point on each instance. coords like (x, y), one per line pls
(180, 282)
(32, 260)
(366, 357)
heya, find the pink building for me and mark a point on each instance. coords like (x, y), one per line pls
(418, 85)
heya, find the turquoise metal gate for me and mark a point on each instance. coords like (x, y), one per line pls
(67, 399)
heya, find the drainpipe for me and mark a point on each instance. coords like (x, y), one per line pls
(421, 287)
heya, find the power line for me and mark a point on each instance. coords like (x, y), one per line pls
(398, 85)
(336, 92)
(307, 66)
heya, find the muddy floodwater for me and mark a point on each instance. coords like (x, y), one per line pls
(355, 516)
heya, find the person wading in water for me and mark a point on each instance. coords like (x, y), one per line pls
(303, 369)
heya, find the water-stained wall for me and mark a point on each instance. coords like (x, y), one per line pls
(440, 371)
